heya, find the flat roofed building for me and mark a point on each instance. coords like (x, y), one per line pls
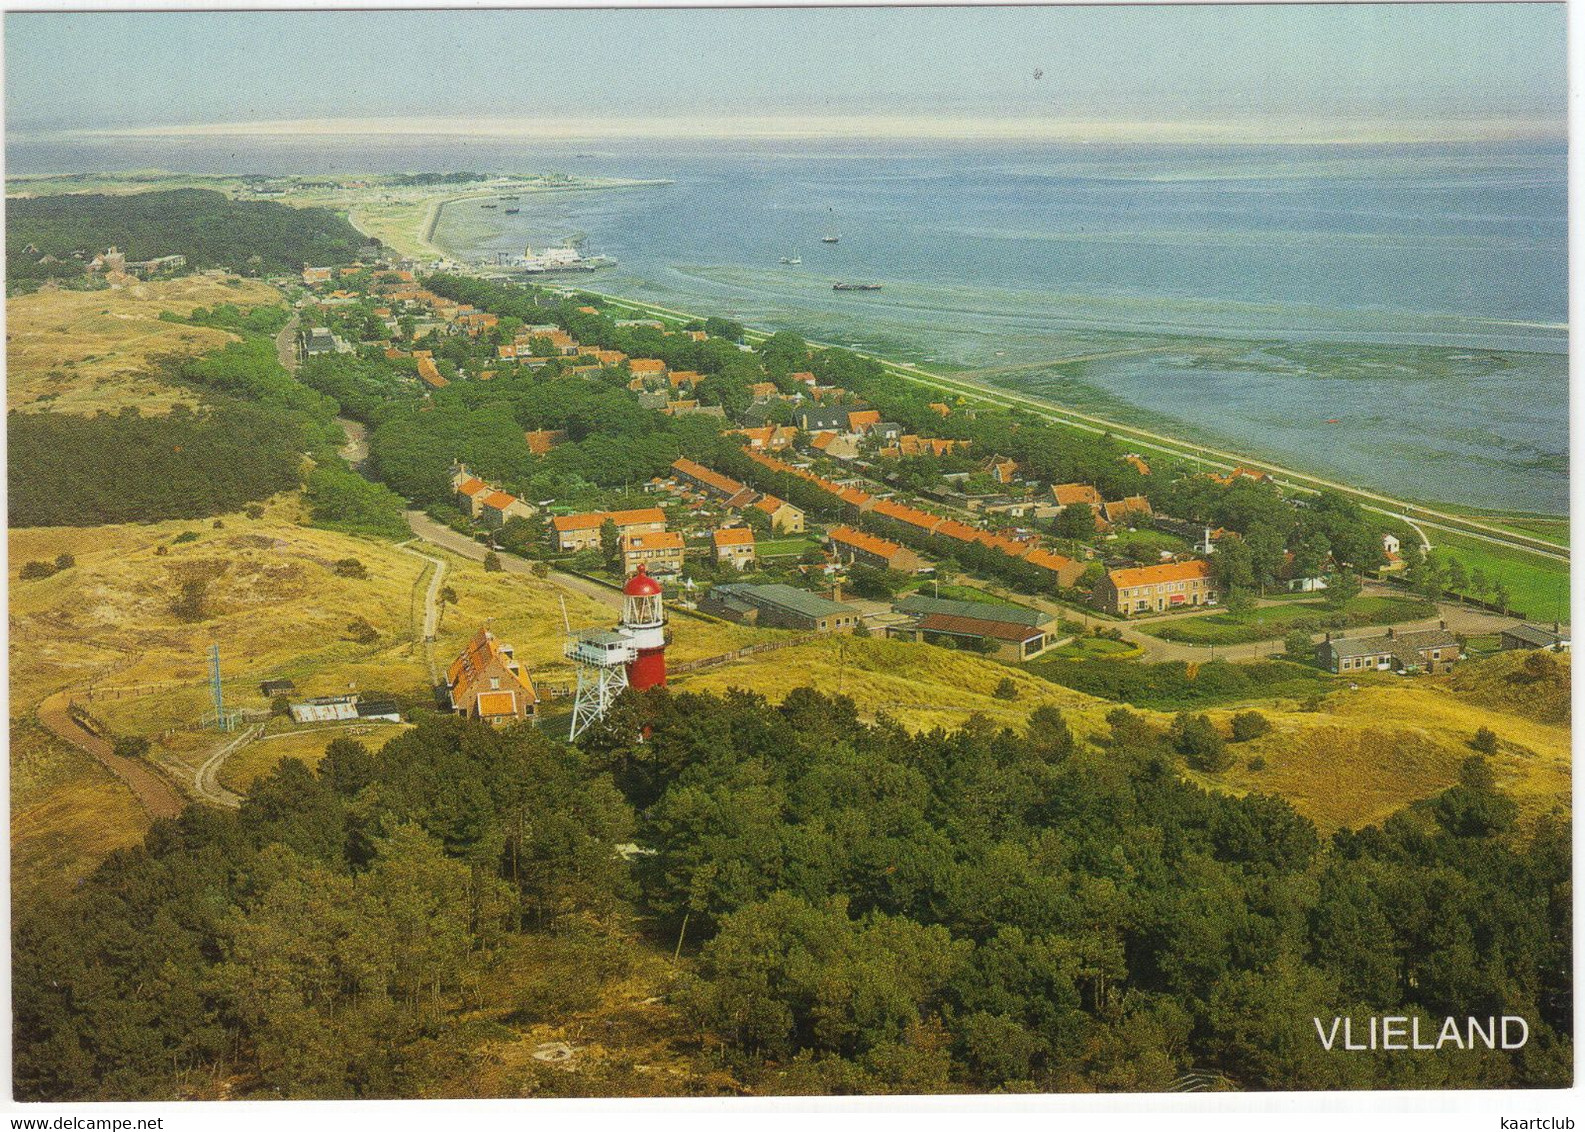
(1005, 640)
(781, 607)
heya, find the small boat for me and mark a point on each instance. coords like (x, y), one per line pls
(489, 206)
(513, 209)
(1333, 420)
(831, 239)
(856, 286)
(794, 260)
(508, 198)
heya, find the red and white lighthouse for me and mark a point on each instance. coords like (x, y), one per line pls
(644, 624)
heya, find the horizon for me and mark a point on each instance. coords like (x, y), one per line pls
(1218, 73)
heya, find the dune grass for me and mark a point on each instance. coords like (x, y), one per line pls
(87, 351)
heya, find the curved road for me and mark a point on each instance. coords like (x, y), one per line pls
(446, 538)
(206, 779)
(152, 791)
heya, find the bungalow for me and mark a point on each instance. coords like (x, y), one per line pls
(1001, 469)
(1430, 650)
(1523, 636)
(869, 550)
(1154, 589)
(1013, 632)
(576, 532)
(734, 545)
(660, 552)
(486, 682)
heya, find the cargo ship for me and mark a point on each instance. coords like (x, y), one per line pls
(856, 286)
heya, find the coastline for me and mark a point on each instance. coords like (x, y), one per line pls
(1209, 451)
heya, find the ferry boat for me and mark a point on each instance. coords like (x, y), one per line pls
(856, 286)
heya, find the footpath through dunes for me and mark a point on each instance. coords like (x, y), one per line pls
(153, 793)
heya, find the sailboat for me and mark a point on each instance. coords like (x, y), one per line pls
(794, 260)
(830, 237)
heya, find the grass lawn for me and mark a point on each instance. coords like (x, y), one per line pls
(1537, 586)
(766, 548)
(1086, 648)
(1272, 622)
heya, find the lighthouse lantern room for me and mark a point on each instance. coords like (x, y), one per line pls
(634, 655)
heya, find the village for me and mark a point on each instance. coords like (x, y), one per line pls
(966, 549)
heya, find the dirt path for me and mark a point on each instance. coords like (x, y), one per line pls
(431, 608)
(152, 792)
(206, 779)
(356, 449)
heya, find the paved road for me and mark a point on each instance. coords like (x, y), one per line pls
(432, 532)
(286, 345)
(152, 792)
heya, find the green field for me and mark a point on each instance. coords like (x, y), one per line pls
(1094, 648)
(773, 547)
(1538, 587)
(1272, 622)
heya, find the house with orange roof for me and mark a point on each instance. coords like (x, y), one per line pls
(911, 516)
(708, 480)
(784, 517)
(588, 310)
(541, 441)
(770, 438)
(862, 420)
(575, 532)
(763, 391)
(1065, 571)
(393, 354)
(313, 275)
(651, 369)
(497, 507)
(1156, 589)
(659, 552)
(1067, 494)
(1002, 469)
(431, 375)
(1239, 473)
(470, 492)
(870, 550)
(805, 378)
(734, 545)
(1127, 510)
(681, 377)
(486, 682)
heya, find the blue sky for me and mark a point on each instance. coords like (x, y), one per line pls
(1408, 63)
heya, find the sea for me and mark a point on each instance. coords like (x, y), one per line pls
(1392, 315)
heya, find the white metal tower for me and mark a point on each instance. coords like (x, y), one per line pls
(602, 657)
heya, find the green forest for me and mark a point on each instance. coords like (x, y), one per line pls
(73, 471)
(209, 228)
(843, 908)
